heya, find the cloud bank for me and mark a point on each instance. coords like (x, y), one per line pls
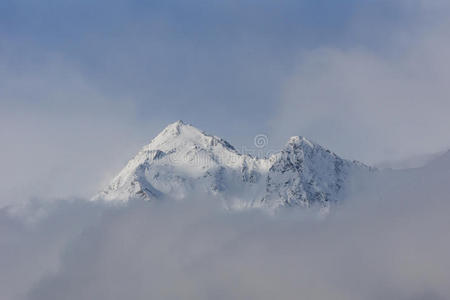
(389, 242)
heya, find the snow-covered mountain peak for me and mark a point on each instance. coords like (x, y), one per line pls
(181, 135)
(183, 160)
(174, 128)
(300, 142)
(177, 132)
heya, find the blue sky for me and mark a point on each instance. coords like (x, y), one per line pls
(84, 84)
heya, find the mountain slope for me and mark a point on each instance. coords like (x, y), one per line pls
(183, 161)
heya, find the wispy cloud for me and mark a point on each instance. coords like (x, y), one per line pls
(375, 105)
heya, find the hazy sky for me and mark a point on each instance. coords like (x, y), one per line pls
(84, 85)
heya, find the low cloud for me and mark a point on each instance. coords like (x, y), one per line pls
(61, 135)
(387, 243)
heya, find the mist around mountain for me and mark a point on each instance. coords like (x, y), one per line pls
(85, 84)
(388, 240)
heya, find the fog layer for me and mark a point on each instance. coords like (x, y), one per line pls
(389, 242)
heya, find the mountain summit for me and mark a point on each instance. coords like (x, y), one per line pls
(184, 161)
